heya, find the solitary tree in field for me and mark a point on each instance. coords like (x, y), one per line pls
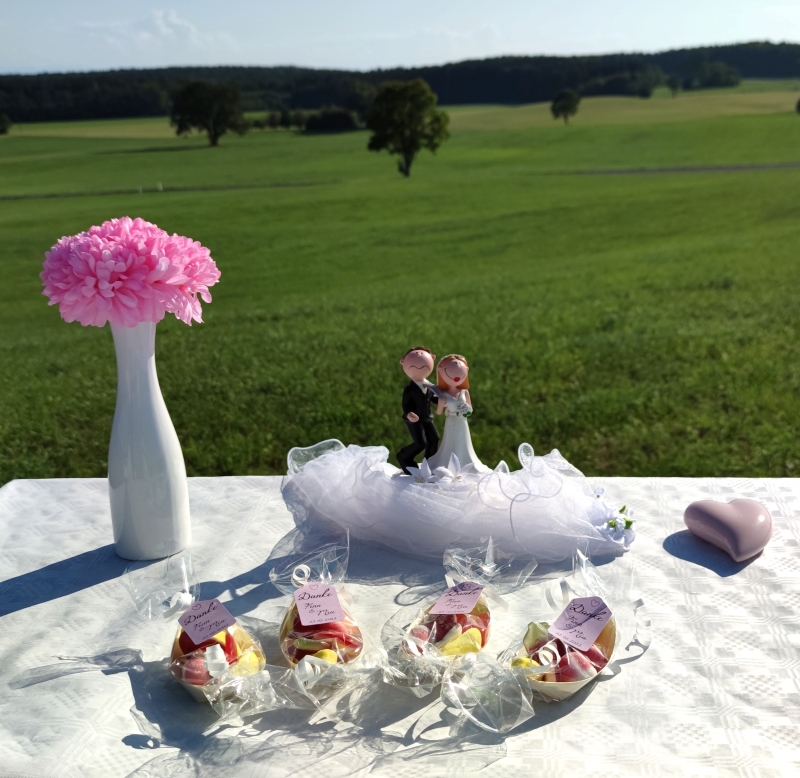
(5, 124)
(673, 84)
(404, 119)
(273, 120)
(565, 104)
(210, 108)
(797, 108)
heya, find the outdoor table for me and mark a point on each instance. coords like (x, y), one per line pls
(716, 694)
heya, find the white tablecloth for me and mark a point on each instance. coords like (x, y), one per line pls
(717, 693)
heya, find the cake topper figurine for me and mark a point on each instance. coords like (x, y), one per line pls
(417, 398)
(452, 377)
(545, 510)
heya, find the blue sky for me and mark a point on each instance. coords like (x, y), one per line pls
(54, 35)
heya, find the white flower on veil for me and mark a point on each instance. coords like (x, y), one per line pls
(453, 473)
(616, 524)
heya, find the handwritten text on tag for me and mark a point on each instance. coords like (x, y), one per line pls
(318, 604)
(460, 598)
(581, 622)
(203, 619)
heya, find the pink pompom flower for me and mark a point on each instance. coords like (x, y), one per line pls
(128, 271)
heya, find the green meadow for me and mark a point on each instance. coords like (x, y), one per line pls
(624, 287)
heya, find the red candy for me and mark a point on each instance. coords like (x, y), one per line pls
(439, 625)
(194, 671)
(298, 640)
(575, 666)
(229, 645)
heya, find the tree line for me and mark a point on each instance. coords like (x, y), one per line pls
(511, 80)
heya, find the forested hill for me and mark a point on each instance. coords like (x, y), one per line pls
(128, 93)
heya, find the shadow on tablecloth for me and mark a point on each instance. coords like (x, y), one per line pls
(60, 579)
(684, 545)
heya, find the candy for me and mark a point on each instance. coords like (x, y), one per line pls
(197, 664)
(535, 636)
(340, 638)
(444, 628)
(568, 666)
(455, 632)
(326, 655)
(575, 667)
(194, 671)
(305, 644)
(420, 633)
(596, 657)
(470, 642)
(224, 638)
(440, 625)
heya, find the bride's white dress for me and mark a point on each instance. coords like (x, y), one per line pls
(456, 438)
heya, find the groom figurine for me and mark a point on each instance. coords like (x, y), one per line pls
(417, 398)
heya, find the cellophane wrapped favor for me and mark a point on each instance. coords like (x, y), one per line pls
(316, 576)
(232, 652)
(166, 591)
(557, 663)
(328, 654)
(422, 643)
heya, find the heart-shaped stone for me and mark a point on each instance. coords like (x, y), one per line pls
(742, 528)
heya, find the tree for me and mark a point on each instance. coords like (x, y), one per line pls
(673, 84)
(404, 119)
(285, 120)
(565, 104)
(331, 120)
(797, 108)
(273, 120)
(210, 108)
(717, 74)
(298, 119)
(703, 73)
(5, 124)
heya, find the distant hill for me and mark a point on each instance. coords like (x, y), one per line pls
(510, 80)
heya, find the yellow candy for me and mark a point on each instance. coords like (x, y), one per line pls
(521, 661)
(468, 642)
(326, 655)
(249, 663)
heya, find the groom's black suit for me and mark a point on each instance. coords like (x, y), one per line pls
(424, 436)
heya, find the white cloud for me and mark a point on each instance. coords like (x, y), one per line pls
(159, 31)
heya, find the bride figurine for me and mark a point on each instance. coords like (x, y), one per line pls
(452, 378)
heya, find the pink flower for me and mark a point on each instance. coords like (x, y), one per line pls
(127, 271)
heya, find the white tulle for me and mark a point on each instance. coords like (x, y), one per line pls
(547, 507)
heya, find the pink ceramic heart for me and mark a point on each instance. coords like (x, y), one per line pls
(741, 527)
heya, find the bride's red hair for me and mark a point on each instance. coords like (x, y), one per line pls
(443, 362)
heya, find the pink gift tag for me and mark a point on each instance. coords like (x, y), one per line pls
(203, 619)
(460, 598)
(318, 604)
(581, 622)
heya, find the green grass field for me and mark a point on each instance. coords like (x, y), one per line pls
(644, 323)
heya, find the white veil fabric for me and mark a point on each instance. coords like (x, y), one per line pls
(547, 508)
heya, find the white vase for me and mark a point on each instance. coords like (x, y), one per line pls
(146, 473)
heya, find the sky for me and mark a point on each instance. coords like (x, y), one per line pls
(67, 35)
